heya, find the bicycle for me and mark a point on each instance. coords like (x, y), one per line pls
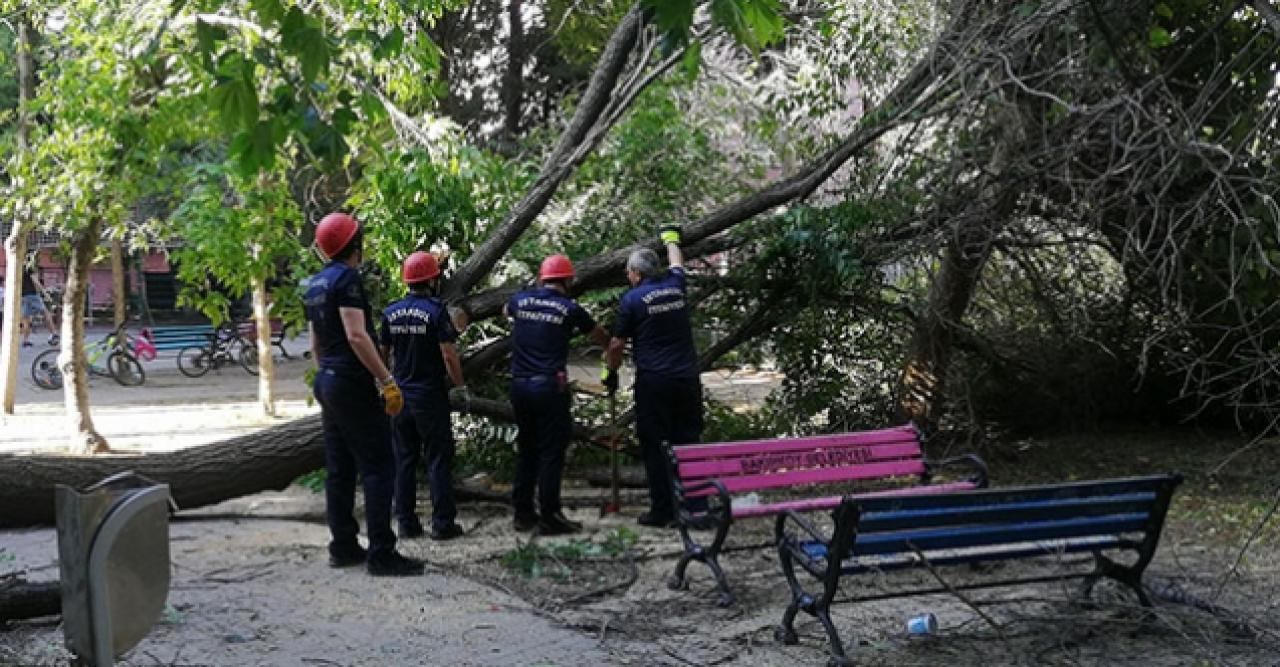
(226, 347)
(121, 351)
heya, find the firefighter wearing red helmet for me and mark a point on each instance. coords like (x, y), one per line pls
(349, 379)
(544, 319)
(420, 339)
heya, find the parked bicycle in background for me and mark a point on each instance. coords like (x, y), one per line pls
(226, 346)
(114, 355)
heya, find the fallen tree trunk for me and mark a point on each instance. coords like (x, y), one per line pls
(198, 476)
(206, 475)
(21, 599)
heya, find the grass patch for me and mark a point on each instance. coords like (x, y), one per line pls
(535, 559)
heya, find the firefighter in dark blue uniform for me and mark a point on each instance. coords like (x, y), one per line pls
(544, 319)
(654, 316)
(419, 336)
(350, 377)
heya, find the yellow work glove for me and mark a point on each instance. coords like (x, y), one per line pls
(392, 399)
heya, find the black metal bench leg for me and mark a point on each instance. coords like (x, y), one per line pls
(838, 657)
(786, 631)
(725, 596)
(1130, 576)
(677, 579)
(709, 556)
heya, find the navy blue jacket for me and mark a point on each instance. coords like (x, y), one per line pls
(655, 316)
(543, 322)
(414, 327)
(335, 286)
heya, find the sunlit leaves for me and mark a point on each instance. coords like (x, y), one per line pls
(754, 23)
(236, 101)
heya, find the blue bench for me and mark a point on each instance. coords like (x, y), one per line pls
(179, 337)
(934, 531)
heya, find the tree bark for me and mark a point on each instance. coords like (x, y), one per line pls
(15, 246)
(266, 364)
(592, 106)
(923, 382)
(513, 81)
(198, 476)
(118, 297)
(21, 599)
(84, 438)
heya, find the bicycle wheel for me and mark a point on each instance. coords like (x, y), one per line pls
(194, 361)
(249, 357)
(45, 371)
(126, 369)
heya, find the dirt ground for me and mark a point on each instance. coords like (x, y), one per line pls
(251, 585)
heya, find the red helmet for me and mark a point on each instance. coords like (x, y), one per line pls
(334, 232)
(554, 267)
(420, 267)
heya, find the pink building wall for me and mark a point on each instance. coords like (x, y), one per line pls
(53, 274)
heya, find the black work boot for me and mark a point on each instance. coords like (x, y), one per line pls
(395, 565)
(525, 522)
(557, 523)
(346, 556)
(447, 533)
(411, 528)
(656, 520)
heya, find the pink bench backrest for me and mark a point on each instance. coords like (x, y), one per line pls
(770, 464)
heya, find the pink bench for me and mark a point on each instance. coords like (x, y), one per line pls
(718, 471)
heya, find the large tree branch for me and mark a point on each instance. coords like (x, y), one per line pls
(595, 101)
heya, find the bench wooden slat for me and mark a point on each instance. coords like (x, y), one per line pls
(972, 536)
(818, 550)
(795, 459)
(897, 434)
(777, 480)
(1034, 510)
(1016, 494)
(832, 502)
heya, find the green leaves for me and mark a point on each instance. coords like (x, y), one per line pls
(673, 17)
(692, 60)
(236, 102)
(1158, 37)
(304, 37)
(754, 23)
(207, 36)
(270, 11)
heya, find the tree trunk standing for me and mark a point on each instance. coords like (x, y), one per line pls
(117, 283)
(924, 374)
(15, 246)
(266, 365)
(15, 251)
(84, 438)
(513, 80)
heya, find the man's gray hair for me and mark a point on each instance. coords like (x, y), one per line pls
(645, 262)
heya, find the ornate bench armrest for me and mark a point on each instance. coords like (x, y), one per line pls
(722, 495)
(780, 527)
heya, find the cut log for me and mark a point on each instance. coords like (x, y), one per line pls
(20, 599)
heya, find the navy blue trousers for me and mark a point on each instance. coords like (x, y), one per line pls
(545, 426)
(357, 439)
(425, 428)
(667, 410)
